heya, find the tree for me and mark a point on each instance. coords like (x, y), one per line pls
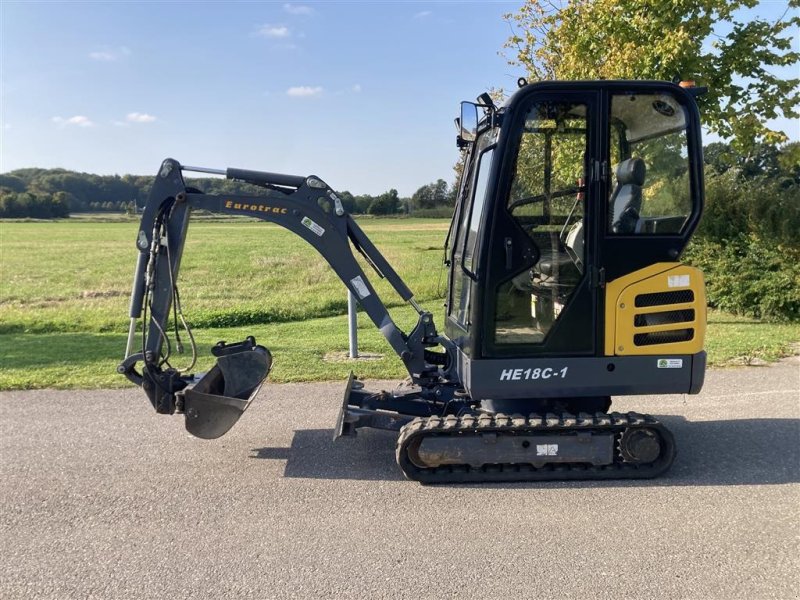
(387, 203)
(362, 204)
(12, 183)
(432, 195)
(649, 39)
(9, 205)
(440, 192)
(789, 160)
(59, 205)
(422, 198)
(762, 160)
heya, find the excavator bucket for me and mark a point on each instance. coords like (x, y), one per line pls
(214, 404)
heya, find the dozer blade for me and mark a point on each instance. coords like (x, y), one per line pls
(217, 401)
(344, 423)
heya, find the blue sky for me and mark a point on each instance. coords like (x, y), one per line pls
(361, 94)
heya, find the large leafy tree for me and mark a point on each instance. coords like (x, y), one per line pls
(431, 195)
(387, 203)
(701, 40)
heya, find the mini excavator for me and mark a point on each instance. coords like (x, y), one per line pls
(564, 289)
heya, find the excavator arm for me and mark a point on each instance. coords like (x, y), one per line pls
(308, 207)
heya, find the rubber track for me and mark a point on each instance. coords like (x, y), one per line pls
(535, 424)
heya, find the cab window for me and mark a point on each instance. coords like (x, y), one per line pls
(546, 201)
(651, 188)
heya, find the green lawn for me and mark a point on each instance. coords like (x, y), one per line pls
(65, 285)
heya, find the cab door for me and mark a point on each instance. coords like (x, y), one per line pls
(654, 202)
(541, 291)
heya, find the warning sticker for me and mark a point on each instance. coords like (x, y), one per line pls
(546, 449)
(674, 281)
(360, 287)
(313, 226)
(670, 363)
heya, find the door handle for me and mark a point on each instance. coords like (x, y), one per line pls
(509, 255)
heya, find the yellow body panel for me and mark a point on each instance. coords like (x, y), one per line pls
(627, 325)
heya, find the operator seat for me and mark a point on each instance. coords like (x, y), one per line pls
(626, 201)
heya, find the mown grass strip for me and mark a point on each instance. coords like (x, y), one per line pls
(64, 295)
(89, 360)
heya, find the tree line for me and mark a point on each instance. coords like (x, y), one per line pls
(56, 193)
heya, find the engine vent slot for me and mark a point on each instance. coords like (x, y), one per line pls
(663, 337)
(664, 298)
(664, 318)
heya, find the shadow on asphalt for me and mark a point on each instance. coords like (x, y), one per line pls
(736, 452)
(314, 454)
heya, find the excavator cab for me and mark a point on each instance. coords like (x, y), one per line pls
(566, 188)
(576, 200)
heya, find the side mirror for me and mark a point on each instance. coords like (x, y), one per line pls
(469, 121)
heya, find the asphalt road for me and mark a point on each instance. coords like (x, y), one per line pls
(101, 498)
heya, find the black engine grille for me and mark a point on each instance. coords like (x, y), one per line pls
(664, 318)
(662, 298)
(663, 337)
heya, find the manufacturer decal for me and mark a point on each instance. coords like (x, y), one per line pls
(360, 287)
(264, 208)
(313, 226)
(670, 363)
(531, 374)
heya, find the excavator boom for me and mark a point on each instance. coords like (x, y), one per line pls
(304, 205)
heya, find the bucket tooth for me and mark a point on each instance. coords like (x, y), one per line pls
(214, 404)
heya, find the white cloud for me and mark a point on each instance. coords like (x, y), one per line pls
(298, 9)
(136, 117)
(274, 31)
(356, 88)
(103, 56)
(303, 91)
(422, 14)
(78, 120)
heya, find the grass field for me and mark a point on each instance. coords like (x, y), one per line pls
(65, 286)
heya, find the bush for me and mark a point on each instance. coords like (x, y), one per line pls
(749, 276)
(766, 207)
(440, 212)
(748, 245)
